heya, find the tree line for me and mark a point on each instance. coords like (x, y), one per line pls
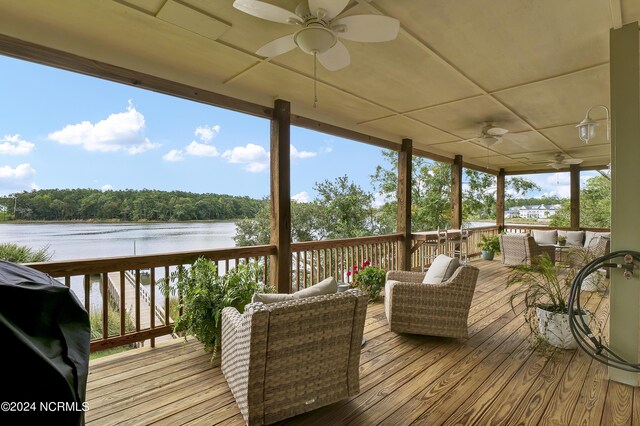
(128, 205)
(343, 209)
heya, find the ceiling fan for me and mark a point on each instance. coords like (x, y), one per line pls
(559, 161)
(320, 27)
(489, 135)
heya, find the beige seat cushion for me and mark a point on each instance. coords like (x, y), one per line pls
(441, 269)
(574, 238)
(327, 286)
(267, 298)
(544, 237)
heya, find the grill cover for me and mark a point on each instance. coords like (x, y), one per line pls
(44, 341)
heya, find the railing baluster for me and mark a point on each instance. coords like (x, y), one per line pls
(152, 303)
(67, 281)
(105, 305)
(137, 285)
(305, 269)
(167, 301)
(123, 308)
(87, 291)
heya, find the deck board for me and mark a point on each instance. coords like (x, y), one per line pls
(493, 377)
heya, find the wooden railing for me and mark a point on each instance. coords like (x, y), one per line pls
(119, 280)
(420, 257)
(154, 324)
(523, 229)
(314, 261)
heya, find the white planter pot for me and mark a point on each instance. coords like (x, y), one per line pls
(554, 328)
(595, 281)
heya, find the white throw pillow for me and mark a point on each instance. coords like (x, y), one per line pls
(591, 238)
(574, 238)
(441, 269)
(327, 286)
(544, 237)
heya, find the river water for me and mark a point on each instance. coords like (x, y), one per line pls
(93, 240)
(69, 241)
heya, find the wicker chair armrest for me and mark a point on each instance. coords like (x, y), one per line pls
(405, 276)
(231, 318)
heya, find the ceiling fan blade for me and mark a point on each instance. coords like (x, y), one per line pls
(335, 58)
(367, 28)
(573, 161)
(266, 11)
(497, 131)
(277, 47)
(331, 8)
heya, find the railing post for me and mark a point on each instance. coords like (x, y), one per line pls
(500, 200)
(574, 172)
(403, 224)
(456, 192)
(281, 196)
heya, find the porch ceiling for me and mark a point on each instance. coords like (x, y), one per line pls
(533, 68)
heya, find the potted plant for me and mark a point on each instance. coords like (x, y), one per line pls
(368, 278)
(545, 287)
(490, 245)
(562, 240)
(203, 294)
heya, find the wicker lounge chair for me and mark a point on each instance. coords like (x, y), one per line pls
(521, 249)
(290, 357)
(430, 309)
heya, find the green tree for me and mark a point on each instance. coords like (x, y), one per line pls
(430, 192)
(344, 209)
(479, 197)
(595, 205)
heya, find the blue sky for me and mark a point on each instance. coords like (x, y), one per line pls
(64, 130)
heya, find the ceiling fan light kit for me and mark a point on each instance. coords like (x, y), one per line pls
(587, 127)
(315, 39)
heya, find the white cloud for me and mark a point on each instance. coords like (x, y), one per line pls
(173, 155)
(380, 199)
(123, 131)
(295, 154)
(254, 157)
(206, 133)
(17, 179)
(201, 150)
(106, 187)
(14, 145)
(301, 197)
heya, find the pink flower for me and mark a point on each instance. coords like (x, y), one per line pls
(348, 273)
(366, 263)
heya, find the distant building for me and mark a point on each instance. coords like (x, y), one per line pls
(538, 211)
(3, 208)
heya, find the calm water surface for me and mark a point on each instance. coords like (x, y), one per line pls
(94, 240)
(91, 240)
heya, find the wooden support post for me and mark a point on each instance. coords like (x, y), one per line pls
(624, 74)
(456, 192)
(574, 171)
(404, 203)
(280, 277)
(500, 200)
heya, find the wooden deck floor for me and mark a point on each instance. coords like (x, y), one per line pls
(491, 378)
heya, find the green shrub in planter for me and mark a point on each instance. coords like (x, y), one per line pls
(204, 294)
(489, 246)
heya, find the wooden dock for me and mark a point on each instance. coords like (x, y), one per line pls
(130, 301)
